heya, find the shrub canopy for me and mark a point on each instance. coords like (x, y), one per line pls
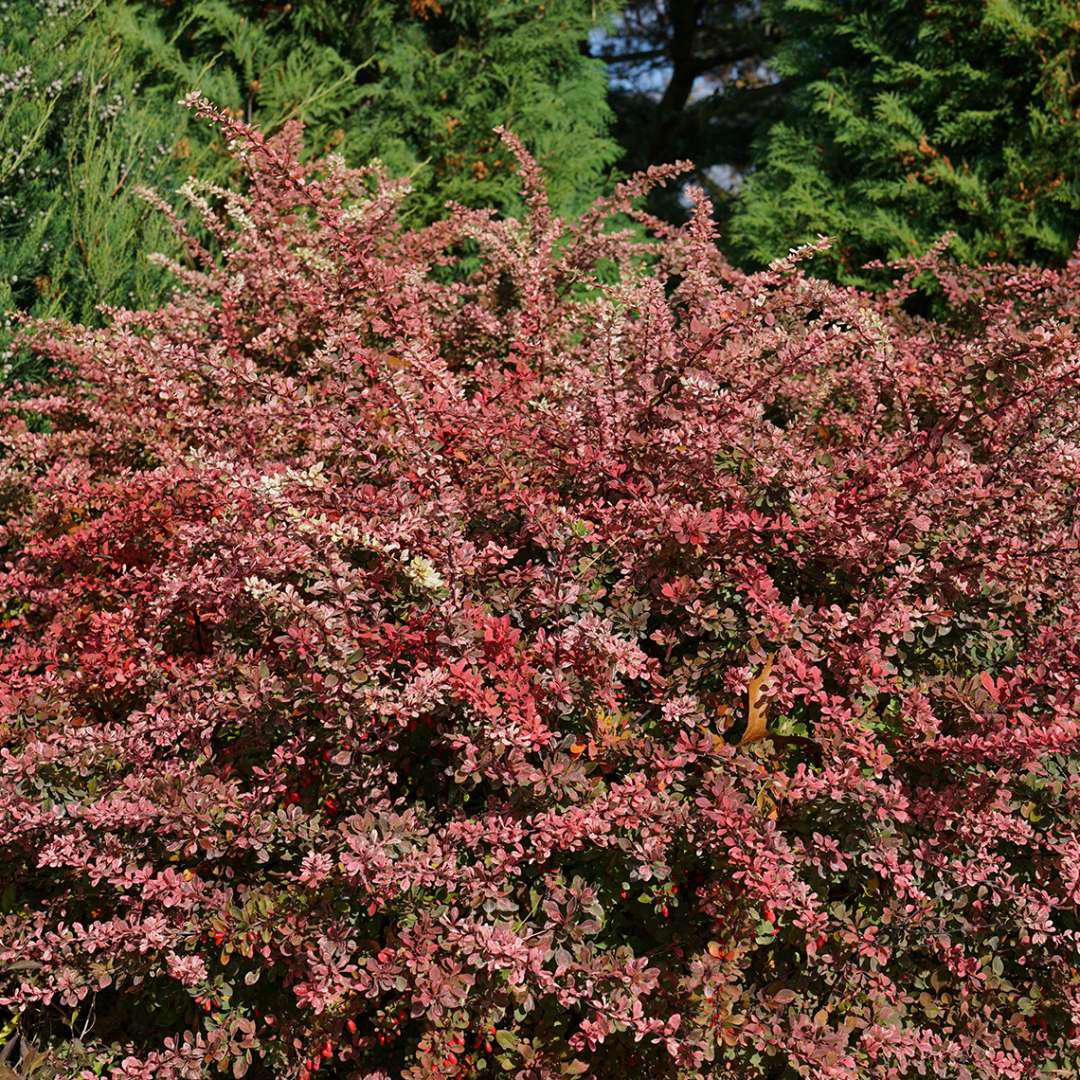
(608, 664)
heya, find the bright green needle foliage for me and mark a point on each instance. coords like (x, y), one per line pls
(439, 77)
(89, 115)
(908, 120)
(77, 127)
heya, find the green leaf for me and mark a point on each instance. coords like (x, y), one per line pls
(506, 1039)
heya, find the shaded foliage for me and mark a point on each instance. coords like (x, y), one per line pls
(690, 79)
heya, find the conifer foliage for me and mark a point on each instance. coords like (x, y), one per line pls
(906, 120)
(412, 675)
(436, 77)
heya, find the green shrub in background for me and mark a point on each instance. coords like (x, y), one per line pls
(439, 76)
(907, 120)
(77, 127)
(901, 121)
(89, 115)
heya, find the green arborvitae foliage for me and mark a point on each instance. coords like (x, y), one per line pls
(909, 120)
(437, 78)
(90, 114)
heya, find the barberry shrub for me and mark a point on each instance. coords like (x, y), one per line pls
(603, 663)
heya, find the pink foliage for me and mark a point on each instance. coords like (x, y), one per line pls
(379, 639)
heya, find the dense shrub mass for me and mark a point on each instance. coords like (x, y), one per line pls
(607, 664)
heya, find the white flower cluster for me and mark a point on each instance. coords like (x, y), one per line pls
(273, 484)
(310, 257)
(18, 80)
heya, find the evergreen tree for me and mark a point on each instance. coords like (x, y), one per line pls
(435, 78)
(912, 119)
(89, 114)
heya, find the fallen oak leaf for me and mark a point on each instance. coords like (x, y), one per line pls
(756, 728)
(757, 718)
